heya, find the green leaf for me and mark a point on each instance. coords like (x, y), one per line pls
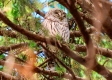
(2, 56)
(32, 44)
(1, 4)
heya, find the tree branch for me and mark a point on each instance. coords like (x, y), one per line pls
(39, 12)
(36, 37)
(5, 76)
(90, 49)
(103, 51)
(78, 33)
(8, 33)
(107, 23)
(15, 46)
(44, 62)
(67, 68)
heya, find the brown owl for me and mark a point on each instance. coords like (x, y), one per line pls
(56, 24)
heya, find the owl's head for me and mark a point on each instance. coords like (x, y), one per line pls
(56, 15)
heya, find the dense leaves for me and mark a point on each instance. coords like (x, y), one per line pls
(27, 60)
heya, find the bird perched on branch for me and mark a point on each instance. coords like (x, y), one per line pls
(55, 25)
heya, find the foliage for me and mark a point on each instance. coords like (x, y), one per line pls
(22, 13)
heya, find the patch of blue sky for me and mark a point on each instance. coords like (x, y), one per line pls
(63, 8)
(1, 66)
(6, 54)
(46, 9)
(41, 54)
(34, 14)
(110, 0)
(42, 1)
(66, 11)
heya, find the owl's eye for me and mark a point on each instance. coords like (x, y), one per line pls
(64, 15)
(56, 12)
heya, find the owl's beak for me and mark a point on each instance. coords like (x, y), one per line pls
(61, 18)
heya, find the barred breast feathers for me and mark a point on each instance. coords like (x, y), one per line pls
(55, 26)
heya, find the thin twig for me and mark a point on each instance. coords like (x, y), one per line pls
(44, 62)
